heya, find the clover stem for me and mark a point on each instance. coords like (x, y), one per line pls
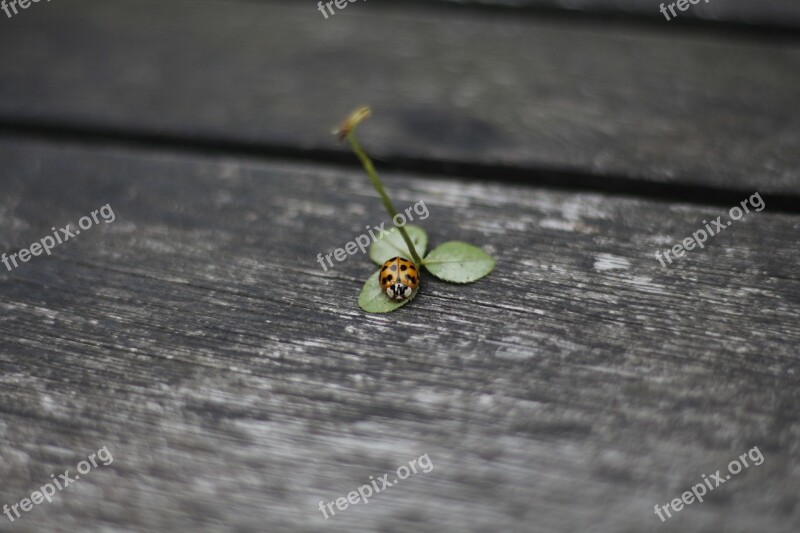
(376, 182)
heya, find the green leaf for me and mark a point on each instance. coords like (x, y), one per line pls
(458, 262)
(374, 300)
(392, 244)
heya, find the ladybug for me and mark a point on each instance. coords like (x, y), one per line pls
(399, 278)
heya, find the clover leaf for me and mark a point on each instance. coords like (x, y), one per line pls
(392, 244)
(458, 262)
(454, 261)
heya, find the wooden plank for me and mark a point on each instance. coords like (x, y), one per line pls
(777, 13)
(613, 105)
(237, 385)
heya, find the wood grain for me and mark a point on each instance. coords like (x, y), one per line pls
(776, 13)
(612, 104)
(237, 384)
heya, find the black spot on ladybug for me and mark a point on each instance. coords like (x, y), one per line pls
(412, 279)
(384, 268)
(389, 277)
(402, 268)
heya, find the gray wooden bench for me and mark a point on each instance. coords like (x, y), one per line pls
(237, 385)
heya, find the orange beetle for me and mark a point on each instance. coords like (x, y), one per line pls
(399, 278)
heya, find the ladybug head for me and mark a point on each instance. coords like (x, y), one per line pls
(399, 291)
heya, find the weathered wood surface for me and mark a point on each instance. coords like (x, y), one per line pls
(237, 385)
(780, 13)
(610, 106)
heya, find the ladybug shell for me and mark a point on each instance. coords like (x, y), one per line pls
(399, 278)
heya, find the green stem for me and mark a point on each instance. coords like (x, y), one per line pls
(376, 182)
